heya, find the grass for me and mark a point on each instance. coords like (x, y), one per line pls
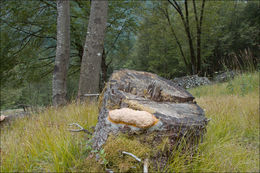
(241, 85)
(43, 143)
(232, 140)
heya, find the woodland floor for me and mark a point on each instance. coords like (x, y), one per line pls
(42, 142)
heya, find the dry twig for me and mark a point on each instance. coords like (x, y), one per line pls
(80, 128)
(91, 95)
(146, 164)
(146, 161)
(130, 154)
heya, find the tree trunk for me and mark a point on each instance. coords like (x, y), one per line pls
(104, 68)
(199, 38)
(198, 26)
(186, 25)
(187, 64)
(59, 85)
(92, 56)
(187, 29)
(143, 104)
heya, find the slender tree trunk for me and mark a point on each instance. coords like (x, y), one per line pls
(199, 40)
(59, 84)
(199, 28)
(187, 29)
(185, 21)
(92, 55)
(187, 64)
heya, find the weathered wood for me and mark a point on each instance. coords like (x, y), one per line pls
(177, 114)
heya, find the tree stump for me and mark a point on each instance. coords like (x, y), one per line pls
(139, 103)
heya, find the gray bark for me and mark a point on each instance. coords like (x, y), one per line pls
(59, 85)
(178, 114)
(93, 49)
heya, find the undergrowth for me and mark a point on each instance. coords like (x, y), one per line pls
(43, 143)
(241, 85)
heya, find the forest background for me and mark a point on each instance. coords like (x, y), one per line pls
(141, 35)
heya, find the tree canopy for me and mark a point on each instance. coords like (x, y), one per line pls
(141, 35)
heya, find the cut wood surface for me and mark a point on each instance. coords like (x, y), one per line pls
(174, 108)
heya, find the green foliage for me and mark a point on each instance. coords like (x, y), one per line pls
(32, 94)
(229, 38)
(25, 37)
(155, 50)
(28, 39)
(138, 37)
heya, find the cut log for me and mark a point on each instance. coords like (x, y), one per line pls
(140, 102)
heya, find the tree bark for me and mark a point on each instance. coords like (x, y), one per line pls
(59, 85)
(175, 113)
(92, 55)
(104, 68)
(187, 29)
(199, 28)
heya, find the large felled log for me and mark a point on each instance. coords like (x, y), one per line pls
(141, 102)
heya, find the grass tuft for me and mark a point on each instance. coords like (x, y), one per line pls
(43, 143)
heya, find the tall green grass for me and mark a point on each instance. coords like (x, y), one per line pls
(43, 143)
(232, 140)
(241, 85)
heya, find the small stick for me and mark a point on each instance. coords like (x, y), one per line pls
(109, 171)
(146, 164)
(146, 161)
(91, 94)
(130, 154)
(80, 128)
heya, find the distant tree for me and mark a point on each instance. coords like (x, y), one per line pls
(93, 49)
(155, 49)
(59, 83)
(184, 14)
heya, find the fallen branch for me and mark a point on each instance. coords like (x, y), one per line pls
(80, 129)
(146, 164)
(130, 154)
(109, 171)
(91, 95)
(146, 161)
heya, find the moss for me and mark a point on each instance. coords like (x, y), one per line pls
(137, 106)
(91, 165)
(123, 163)
(111, 106)
(141, 145)
(166, 97)
(145, 91)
